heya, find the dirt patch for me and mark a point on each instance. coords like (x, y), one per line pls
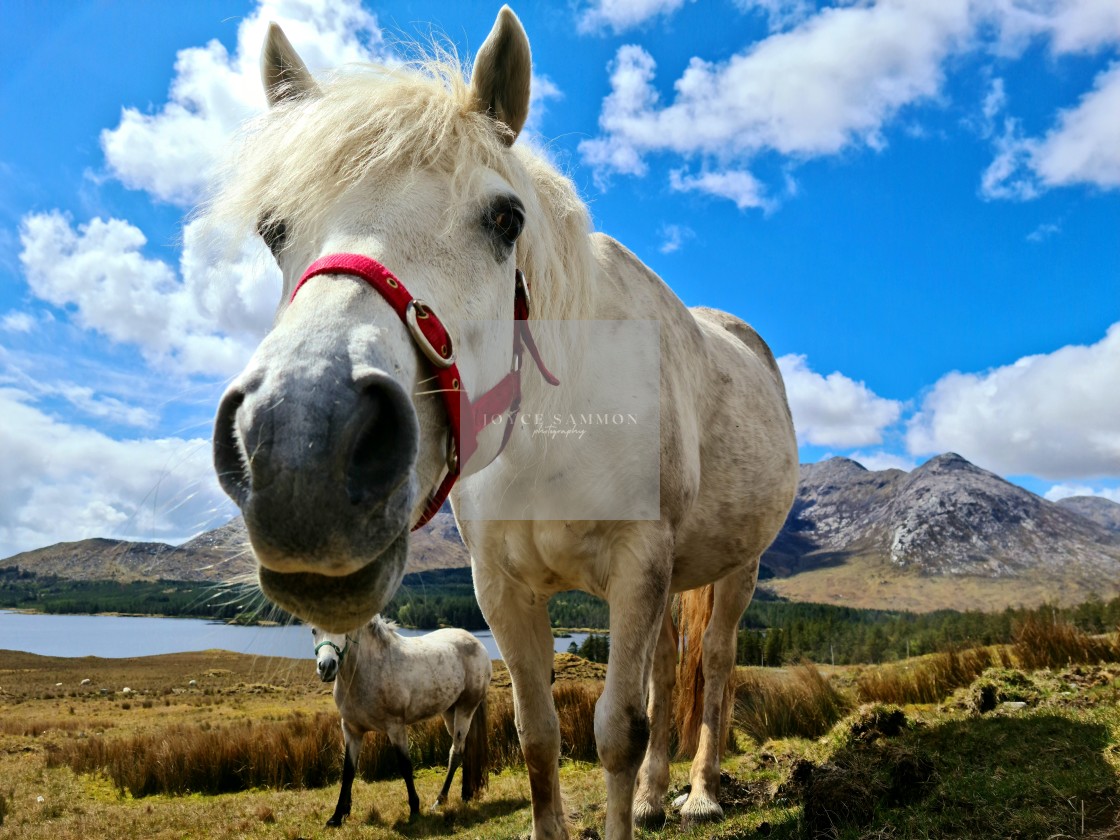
(566, 667)
(872, 772)
(874, 722)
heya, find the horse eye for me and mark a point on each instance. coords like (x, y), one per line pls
(505, 220)
(272, 231)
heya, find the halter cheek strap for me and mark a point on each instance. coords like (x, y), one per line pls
(340, 651)
(467, 418)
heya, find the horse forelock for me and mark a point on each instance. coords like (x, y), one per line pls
(293, 163)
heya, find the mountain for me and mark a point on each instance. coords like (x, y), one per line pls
(220, 555)
(1102, 511)
(947, 533)
(102, 559)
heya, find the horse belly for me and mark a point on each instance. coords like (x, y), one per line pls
(748, 467)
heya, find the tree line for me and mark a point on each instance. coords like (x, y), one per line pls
(780, 632)
(772, 632)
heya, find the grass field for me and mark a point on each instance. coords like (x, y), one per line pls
(1001, 751)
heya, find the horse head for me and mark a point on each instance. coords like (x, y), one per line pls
(330, 650)
(336, 436)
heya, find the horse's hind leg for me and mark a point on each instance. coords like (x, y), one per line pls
(352, 740)
(457, 724)
(730, 597)
(398, 737)
(653, 777)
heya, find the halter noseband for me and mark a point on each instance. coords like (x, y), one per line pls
(340, 651)
(434, 341)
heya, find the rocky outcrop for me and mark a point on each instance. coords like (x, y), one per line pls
(946, 517)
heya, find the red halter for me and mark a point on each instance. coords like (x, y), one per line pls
(435, 343)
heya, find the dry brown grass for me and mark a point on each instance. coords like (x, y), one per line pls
(929, 679)
(299, 751)
(1046, 641)
(185, 758)
(799, 703)
(34, 728)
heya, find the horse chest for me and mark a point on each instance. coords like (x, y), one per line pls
(545, 556)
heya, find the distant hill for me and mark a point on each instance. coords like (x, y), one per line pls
(946, 534)
(1102, 511)
(221, 555)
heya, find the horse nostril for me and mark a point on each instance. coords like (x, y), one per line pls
(384, 444)
(229, 462)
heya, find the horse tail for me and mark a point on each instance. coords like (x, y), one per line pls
(696, 608)
(476, 754)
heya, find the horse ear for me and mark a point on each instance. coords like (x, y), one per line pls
(502, 70)
(283, 72)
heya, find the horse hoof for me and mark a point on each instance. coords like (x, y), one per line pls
(334, 822)
(700, 809)
(648, 817)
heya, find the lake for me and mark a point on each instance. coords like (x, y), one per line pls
(115, 636)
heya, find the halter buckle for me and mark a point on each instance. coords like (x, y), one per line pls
(452, 455)
(521, 284)
(415, 310)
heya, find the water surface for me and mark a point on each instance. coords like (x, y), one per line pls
(115, 636)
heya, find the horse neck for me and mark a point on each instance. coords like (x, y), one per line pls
(368, 647)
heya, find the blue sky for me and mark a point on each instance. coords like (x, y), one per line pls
(916, 203)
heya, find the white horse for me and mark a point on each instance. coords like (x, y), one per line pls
(352, 419)
(384, 682)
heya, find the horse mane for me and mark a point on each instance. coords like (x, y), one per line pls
(382, 629)
(292, 164)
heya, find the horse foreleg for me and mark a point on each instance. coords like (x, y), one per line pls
(730, 597)
(398, 737)
(352, 746)
(637, 593)
(653, 777)
(519, 619)
(457, 729)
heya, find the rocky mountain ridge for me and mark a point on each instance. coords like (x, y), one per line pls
(945, 517)
(945, 520)
(221, 555)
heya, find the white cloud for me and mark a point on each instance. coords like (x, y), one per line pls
(673, 237)
(834, 410)
(1064, 491)
(840, 76)
(625, 112)
(995, 102)
(736, 184)
(1084, 146)
(830, 83)
(65, 482)
(17, 322)
(620, 15)
(170, 153)
(1071, 26)
(1053, 416)
(207, 323)
(1007, 176)
(781, 14)
(541, 90)
(1044, 231)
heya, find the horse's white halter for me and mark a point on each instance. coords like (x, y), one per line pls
(434, 341)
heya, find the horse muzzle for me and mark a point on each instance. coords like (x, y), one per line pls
(327, 669)
(322, 464)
